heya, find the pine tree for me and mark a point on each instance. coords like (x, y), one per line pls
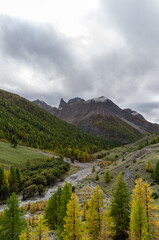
(73, 224)
(12, 180)
(18, 178)
(138, 218)
(97, 177)
(14, 141)
(1, 175)
(95, 213)
(156, 172)
(93, 169)
(65, 197)
(1, 181)
(13, 221)
(51, 212)
(119, 209)
(107, 177)
(149, 167)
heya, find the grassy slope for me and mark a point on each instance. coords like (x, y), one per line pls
(131, 162)
(18, 157)
(114, 127)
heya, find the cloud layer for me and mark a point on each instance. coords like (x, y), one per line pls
(116, 55)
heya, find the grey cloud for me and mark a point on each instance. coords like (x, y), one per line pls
(44, 51)
(126, 74)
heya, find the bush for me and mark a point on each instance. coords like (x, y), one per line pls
(107, 177)
(39, 180)
(41, 189)
(29, 191)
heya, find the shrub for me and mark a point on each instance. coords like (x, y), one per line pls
(97, 177)
(107, 177)
(149, 167)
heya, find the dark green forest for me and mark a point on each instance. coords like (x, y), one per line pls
(32, 179)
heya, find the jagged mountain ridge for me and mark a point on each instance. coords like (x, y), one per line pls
(101, 117)
(34, 127)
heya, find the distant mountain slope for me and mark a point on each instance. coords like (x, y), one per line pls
(101, 117)
(35, 127)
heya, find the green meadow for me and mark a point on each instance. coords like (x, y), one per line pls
(19, 156)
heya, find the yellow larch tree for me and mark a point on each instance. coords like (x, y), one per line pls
(73, 223)
(149, 167)
(105, 226)
(95, 214)
(27, 234)
(41, 230)
(151, 212)
(138, 219)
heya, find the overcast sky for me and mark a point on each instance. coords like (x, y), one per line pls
(52, 49)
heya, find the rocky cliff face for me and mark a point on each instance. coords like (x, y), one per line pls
(101, 117)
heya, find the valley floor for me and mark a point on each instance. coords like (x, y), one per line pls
(83, 170)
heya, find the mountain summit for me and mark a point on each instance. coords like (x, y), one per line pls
(101, 117)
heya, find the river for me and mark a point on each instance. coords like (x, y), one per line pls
(83, 171)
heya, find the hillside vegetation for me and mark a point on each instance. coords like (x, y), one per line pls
(34, 127)
(131, 160)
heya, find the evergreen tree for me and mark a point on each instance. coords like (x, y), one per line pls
(18, 178)
(14, 141)
(119, 209)
(13, 221)
(73, 225)
(93, 169)
(107, 177)
(4, 186)
(138, 218)
(156, 172)
(1, 175)
(12, 180)
(149, 167)
(97, 177)
(95, 213)
(65, 197)
(1, 181)
(51, 211)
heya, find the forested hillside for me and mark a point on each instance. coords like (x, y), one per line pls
(23, 121)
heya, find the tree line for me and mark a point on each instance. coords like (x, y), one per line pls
(33, 179)
(132, 217)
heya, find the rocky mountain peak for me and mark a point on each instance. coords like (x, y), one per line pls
(62, 104)
(99, 99)
(74, 100)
